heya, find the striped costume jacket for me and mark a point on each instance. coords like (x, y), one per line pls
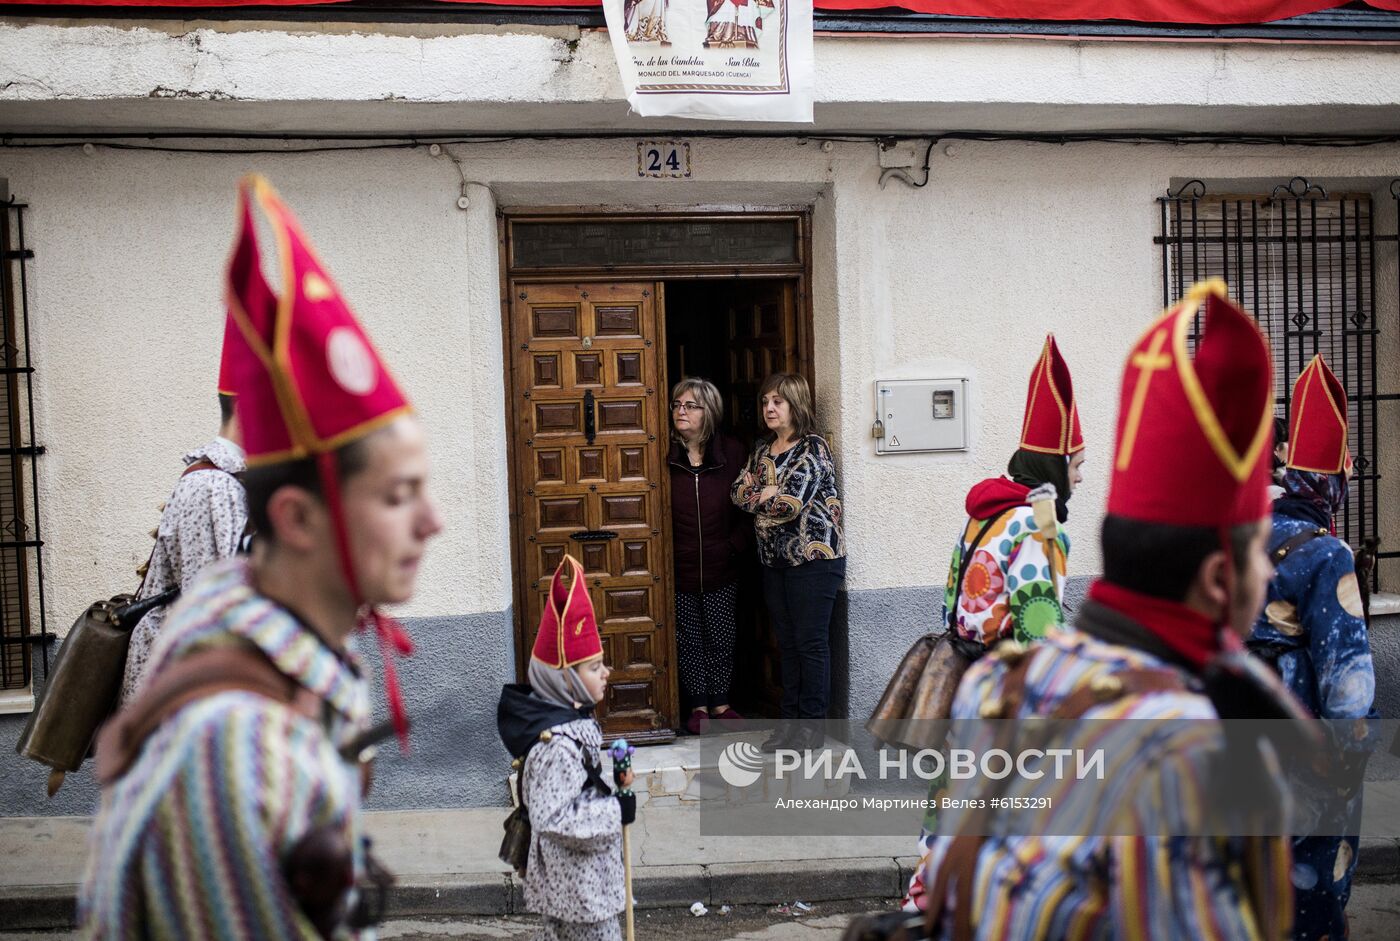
(190, 843)
(1127, 856)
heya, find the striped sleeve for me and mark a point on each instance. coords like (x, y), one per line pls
(256, 779)
(1170, 886)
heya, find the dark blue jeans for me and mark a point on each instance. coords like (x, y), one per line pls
(799, 602)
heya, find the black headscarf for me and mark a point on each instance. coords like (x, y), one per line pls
(1032, 468)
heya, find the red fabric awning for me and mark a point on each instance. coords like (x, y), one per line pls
(1215, 12)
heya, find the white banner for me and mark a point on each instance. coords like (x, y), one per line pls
(734, 60)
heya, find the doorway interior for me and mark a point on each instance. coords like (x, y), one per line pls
(602, 314)
(735, 333)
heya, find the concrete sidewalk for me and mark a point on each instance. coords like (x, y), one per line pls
(446, 864)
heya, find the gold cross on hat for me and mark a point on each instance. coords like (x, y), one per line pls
(1147, 363)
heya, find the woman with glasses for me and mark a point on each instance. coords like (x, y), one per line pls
(709, 538)
(789, 485)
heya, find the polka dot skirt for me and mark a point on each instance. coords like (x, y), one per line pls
(705, 642)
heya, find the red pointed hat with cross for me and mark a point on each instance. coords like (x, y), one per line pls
(1317, 428)
(568, 632)
(1195, 432)
(1051, 425)
(307, 378)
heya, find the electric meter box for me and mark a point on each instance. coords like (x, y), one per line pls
(916, 415)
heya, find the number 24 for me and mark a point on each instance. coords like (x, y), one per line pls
(673, 160)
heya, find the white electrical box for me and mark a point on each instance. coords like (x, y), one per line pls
(914, 415)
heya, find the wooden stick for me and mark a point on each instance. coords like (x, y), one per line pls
(627, 874)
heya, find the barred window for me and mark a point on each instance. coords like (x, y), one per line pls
(21, 562)
(1303, 262)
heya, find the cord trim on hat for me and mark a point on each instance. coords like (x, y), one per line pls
(1239, 465)
(561, 616)
(278, 377)
(335, 443)
(298, 419)
(1045, 367)
(305, 442)
(1312, 376)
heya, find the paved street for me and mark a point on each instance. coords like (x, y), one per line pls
(1374, 913)
(1375, 910)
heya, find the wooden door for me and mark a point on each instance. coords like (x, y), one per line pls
(762, 339)
(589, 426)
(762, 327)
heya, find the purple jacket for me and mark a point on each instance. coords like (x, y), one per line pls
(709, 534)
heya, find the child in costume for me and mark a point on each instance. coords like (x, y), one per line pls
(574, 875)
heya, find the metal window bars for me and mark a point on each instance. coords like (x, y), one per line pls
(21, 544)
(1304, 263)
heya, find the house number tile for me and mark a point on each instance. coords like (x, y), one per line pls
(663, 159)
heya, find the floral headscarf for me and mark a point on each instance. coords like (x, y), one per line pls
(1325, 494)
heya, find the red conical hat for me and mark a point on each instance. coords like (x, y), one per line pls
(227, 356)
(1051, 425)
(1194, 434)
(568, 627)
(313, 380)
(308, 381)
(1317, 431)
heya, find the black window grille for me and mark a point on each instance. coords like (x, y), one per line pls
(20, 543)
(1304, 263)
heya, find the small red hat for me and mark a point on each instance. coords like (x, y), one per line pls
(568, 627)
(1194, 434)
(227, 357)
(307, 376)
(1317, 433)
(1051, 425)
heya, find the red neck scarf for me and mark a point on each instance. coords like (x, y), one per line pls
(1189, 634)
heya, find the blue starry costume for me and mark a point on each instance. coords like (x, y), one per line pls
(1314, 631)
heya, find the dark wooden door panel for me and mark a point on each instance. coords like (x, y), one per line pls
(590, 428)
(763, 339)
(762, 323)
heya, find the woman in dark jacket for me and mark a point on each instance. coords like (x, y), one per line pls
(709, 538)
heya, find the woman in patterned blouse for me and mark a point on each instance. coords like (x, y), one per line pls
(789, 484)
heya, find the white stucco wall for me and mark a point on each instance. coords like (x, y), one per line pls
(126, 304)
(962, 277)
(344, 77)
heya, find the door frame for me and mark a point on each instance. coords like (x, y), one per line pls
(510, 276)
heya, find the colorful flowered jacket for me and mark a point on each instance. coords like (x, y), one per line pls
(1014, 580)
